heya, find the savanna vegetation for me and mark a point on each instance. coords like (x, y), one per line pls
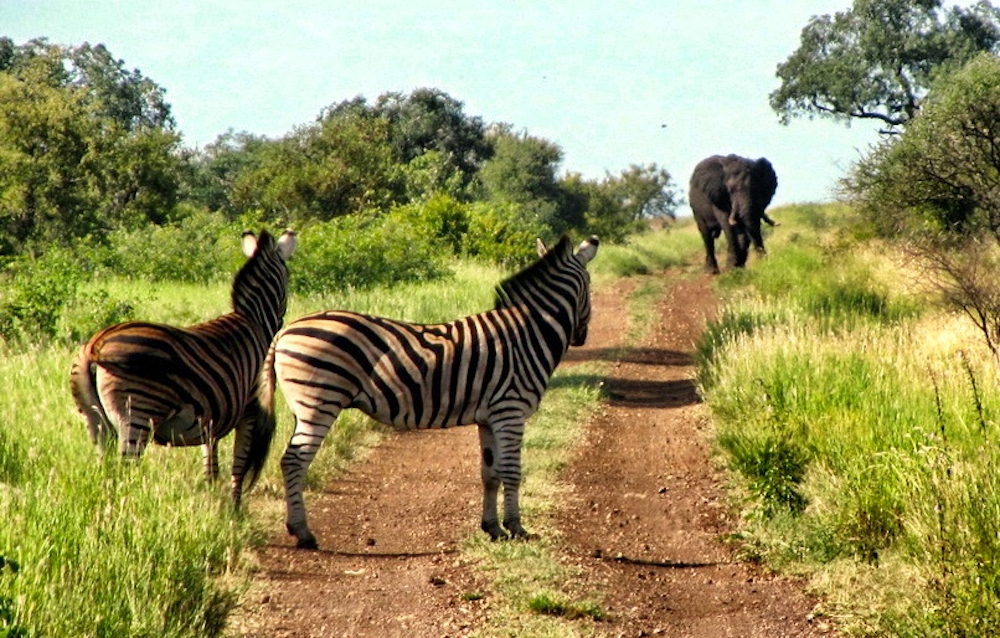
(851, 375)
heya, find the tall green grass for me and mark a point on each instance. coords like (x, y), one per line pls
(109, 548)
(860, 424)
(101, 547)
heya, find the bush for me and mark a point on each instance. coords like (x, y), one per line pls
(37, 291)
(441, 218)
(201, 248)
(503, 234)
(354, 252)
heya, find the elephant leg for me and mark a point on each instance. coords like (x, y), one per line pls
(711, 265)
(742, 249)
(734, 248)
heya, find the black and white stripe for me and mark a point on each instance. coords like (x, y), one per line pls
(190, 386)
(490, 369)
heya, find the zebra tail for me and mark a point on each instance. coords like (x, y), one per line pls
(83, 387)
(264, 425)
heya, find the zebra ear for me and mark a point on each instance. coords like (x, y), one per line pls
(588, 249)
(287, 243)
(540, 246)
(249, 243)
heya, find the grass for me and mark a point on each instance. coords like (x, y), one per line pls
(104, 548)
(855, 419)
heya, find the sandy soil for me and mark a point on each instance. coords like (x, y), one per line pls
(643, 522)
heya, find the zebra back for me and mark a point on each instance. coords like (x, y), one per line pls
(192, 385)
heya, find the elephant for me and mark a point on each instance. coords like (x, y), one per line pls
(729, 194)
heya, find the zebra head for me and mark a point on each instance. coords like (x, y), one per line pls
(584, 253)
(260, 290)
(576, 267)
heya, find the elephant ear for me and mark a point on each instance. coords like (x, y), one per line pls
(765, 181)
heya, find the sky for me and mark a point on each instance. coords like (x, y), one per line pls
(612, 83)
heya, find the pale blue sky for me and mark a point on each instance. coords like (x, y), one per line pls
(599, 78)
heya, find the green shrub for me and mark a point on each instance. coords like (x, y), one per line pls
(502, 234)
(201, 248)
(441, 218)
(353, 252)
(37, 291)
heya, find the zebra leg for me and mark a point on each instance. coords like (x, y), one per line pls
(491, 483)
(509, 470)
(310, 430)
(241, 453)
(210, 452)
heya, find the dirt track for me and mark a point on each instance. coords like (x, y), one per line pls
(643, 523)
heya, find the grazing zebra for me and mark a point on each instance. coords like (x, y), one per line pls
(190, 386)
(489, 369)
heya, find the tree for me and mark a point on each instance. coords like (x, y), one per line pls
(340, 165)
(431, 121)
(877, 60)
(936, 189)
(620, 205)
(522, 172)
(85, 145)
(212, 172)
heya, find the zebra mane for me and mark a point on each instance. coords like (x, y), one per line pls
(509, 292)
(266, 245)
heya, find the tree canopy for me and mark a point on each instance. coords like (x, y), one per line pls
(85, 143)
(877, 60)
(89, 149)
(936, 189)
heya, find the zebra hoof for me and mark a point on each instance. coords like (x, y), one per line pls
(516, 531)
(307, 543)
(493, 529)
(306, 540)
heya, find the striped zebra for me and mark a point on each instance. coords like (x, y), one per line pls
(190, 386)
(490, 369)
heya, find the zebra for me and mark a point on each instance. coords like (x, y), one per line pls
(190, 386)
(490, 369)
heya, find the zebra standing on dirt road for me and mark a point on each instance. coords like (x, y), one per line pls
(490, 369)
(191, 386)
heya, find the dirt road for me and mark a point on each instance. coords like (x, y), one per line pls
(643, 523)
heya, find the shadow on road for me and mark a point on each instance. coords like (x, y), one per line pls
(642, 356)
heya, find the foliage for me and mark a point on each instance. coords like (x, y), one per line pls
(354, 252)
(502, 233)
(429, 122)
(522, 172)
(864, 437)
(336, 166)
(37, 290)
(877, 60)
(85, 144)
(937, 188)
(200, 248)
(622, 205)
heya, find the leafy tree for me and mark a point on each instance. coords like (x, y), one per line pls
(85, 145)
(621, 205)
(123, 96)
(936, 187)
(522, 172)
(440, 146)
(877, 60)
(431, 121)
(337, 166)
(212, 172)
